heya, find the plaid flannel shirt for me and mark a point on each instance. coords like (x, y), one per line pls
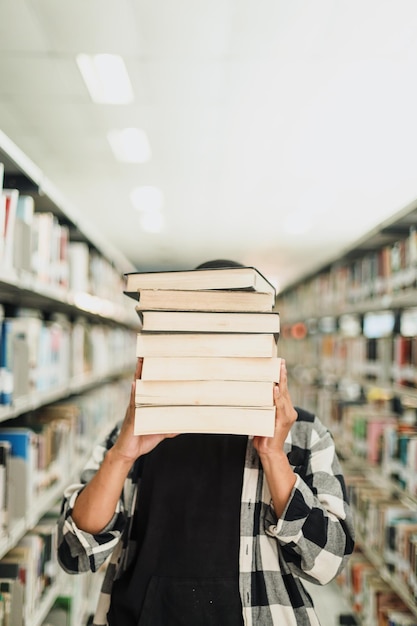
(312, 539)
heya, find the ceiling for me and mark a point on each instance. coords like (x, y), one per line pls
(280, 131)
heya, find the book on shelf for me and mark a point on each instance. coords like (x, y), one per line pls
(2, 212)
(166, 344)
(209, 322)
(398, 617)
(233, 420)
(204, 300)
(79, 267)
(22, 469)
(6, 362)
(379, 598)
(50, 257)
(212, 368)
(22, 247)
(44, 536)
(204, 392)
(357, 567)
(12, 601)
(208, 278)
(5, 452)
(11, 198)
(376, 426)
(27, 562)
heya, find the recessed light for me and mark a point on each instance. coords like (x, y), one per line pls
(130, 145)
(106, 78)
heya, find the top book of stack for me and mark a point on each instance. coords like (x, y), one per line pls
(221, 289)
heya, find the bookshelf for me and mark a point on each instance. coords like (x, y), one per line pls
(67, 352)
(349, 336)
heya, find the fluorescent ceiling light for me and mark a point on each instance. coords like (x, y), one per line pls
(106, 78)
(147, 198)
(130, 145)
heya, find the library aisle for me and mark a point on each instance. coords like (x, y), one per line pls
(144, 138)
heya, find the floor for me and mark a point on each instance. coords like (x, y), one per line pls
(329, 603)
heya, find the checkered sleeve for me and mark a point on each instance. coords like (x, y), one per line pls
(316, 530)
(79, 551)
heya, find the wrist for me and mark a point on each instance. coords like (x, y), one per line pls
(273, 456)
(117, 457)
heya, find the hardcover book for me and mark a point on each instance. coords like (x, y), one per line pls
(208, 278)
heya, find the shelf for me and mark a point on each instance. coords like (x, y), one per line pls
(335, 367)
(102, 313)
(18, 164)
(75, 386)
(377, 477)
(46, 501)
(45, 604)
(395, 584)
(22, 291)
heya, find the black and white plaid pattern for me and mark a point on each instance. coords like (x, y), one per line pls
(312, 539)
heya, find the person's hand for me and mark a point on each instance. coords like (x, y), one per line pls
(128, 445)
(285, 416)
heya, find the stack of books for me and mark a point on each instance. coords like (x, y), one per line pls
(208, 339)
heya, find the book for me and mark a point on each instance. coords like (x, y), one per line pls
(23, 471)
(5, 452)
(42, 248)
(204, 392)
(6, 362)
(209, 322)
(24, 562)
(22, 248)
(204, 300)
(211, 368)
(79, 267)
(11, 196)
(233, 420)
(206, 345)
(208, 278)
(2, 213)
(12, 600)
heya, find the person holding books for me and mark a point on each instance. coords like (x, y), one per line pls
(210, 529)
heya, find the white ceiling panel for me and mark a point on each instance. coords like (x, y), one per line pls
(40, 76)
(184, 29)
(69, 28)
(279, 131)
(20, 30)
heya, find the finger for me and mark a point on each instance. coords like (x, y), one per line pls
(130, 407)
(130, 411)
(276, 392)
(283, 373)
(138, 370)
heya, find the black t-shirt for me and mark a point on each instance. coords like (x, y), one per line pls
(187, 525)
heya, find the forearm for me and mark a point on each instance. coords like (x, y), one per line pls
(280, 478)
(97, 502)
